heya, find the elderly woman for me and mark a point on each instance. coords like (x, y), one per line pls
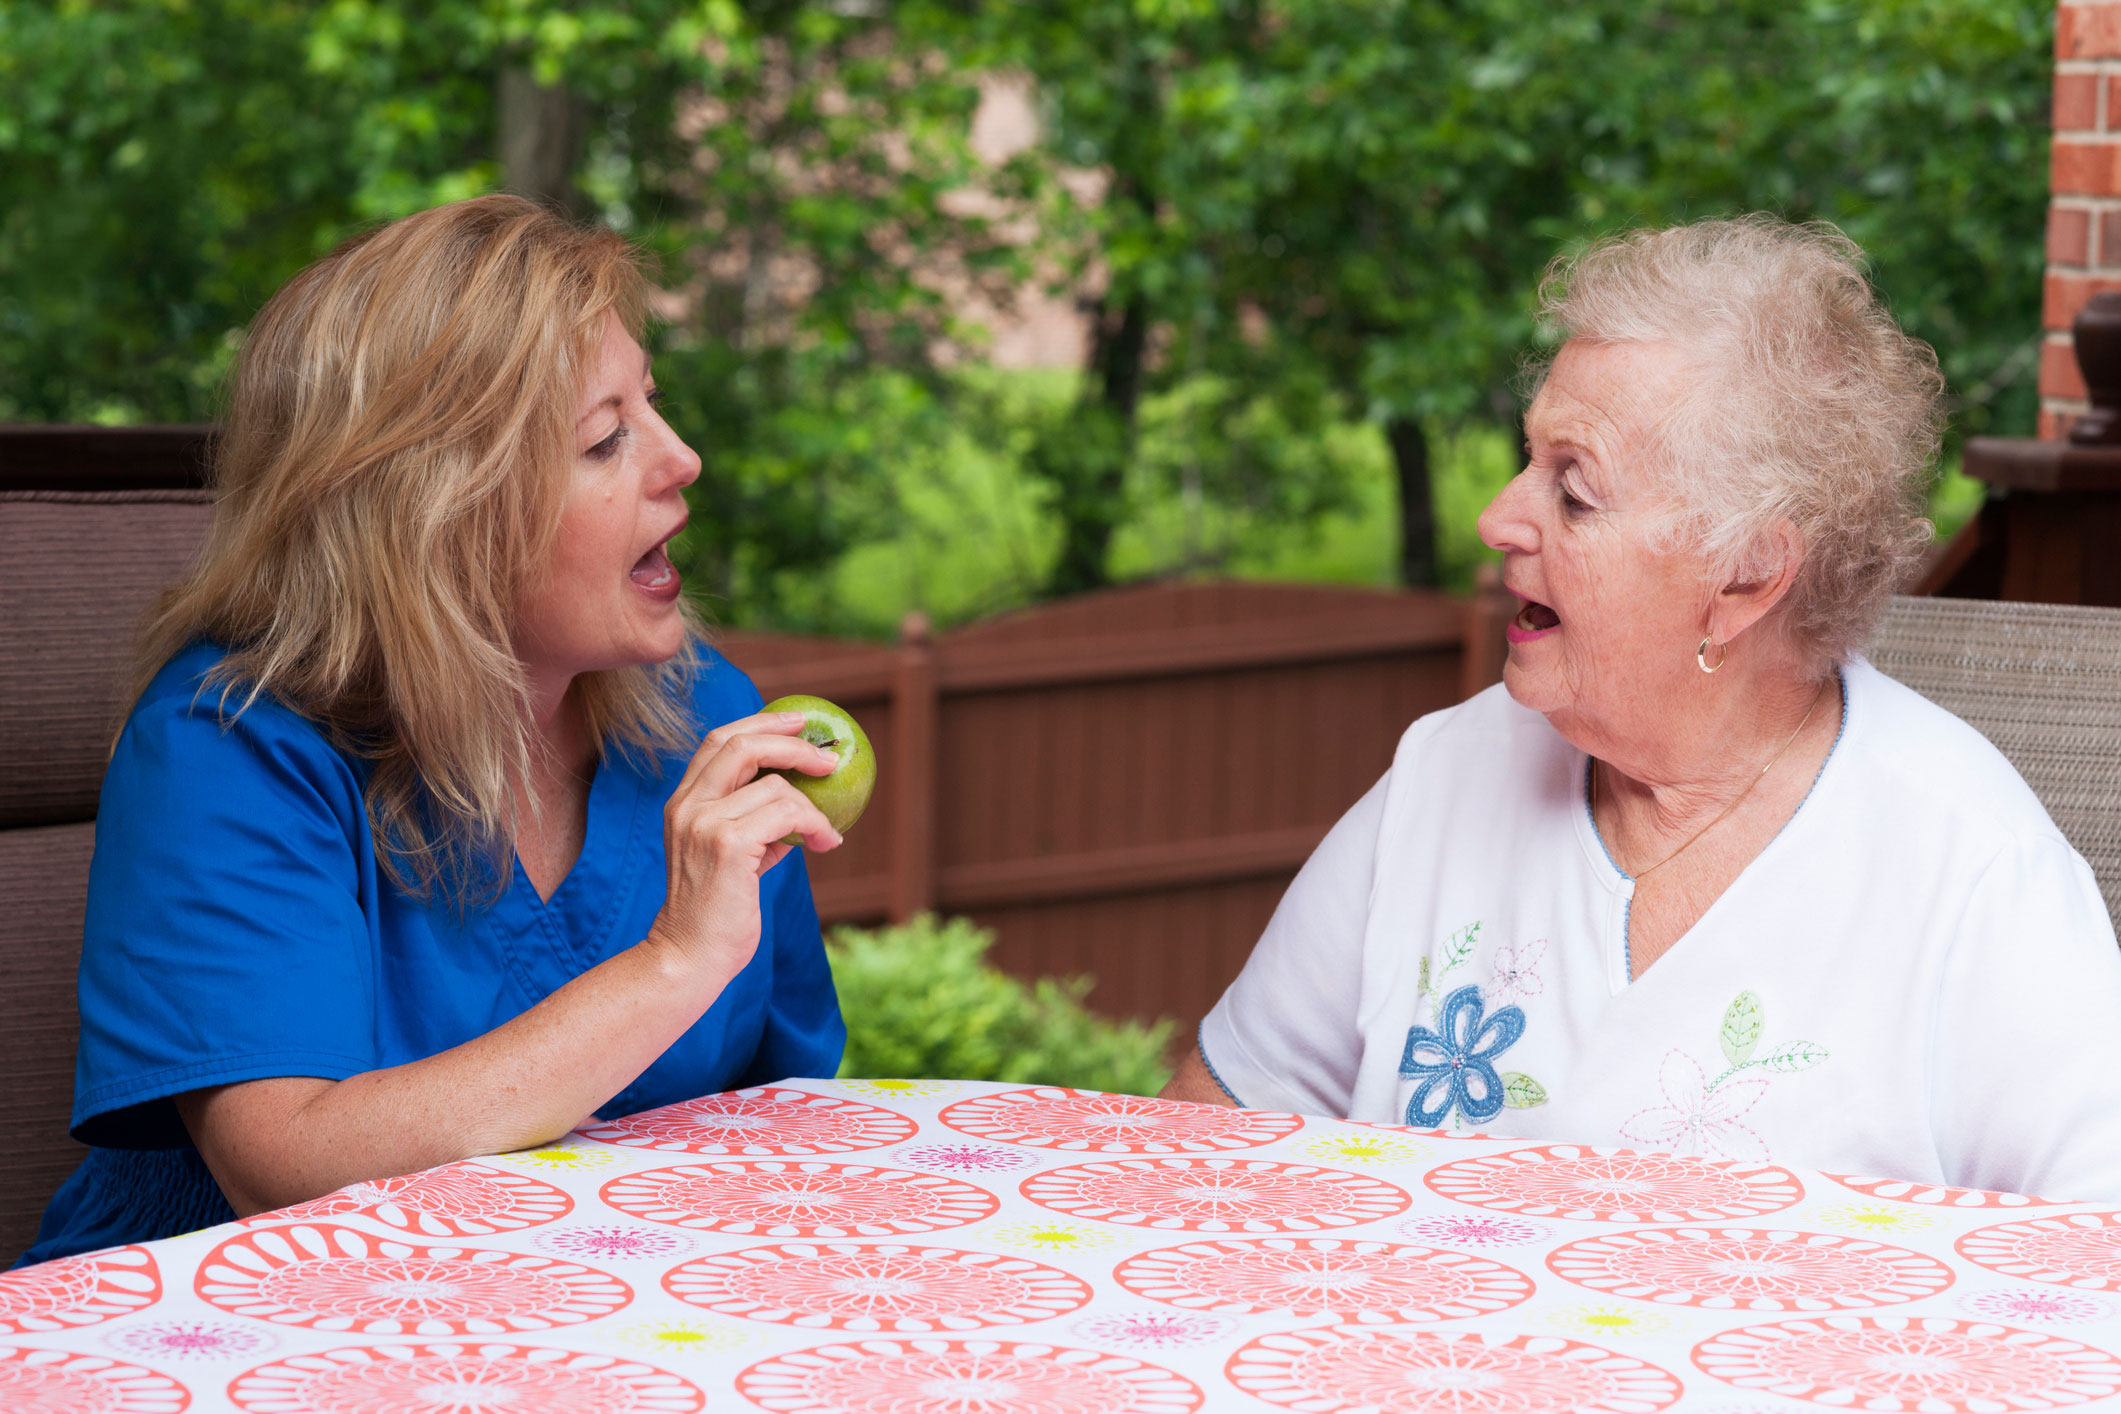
(1697, 877)
(411, 847)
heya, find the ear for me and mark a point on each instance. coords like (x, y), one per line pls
(1745, 602)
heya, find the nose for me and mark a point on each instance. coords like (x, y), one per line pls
(1507, 524)
(677, 465)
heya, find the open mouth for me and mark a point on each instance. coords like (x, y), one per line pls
(1534, 620)
(653, 573)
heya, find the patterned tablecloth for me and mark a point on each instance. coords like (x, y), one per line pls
(901, 1247)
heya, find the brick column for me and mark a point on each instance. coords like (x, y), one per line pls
(2084, 206)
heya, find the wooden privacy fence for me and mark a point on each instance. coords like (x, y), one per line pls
(1124, 784)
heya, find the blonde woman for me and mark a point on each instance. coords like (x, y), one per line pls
(411, 848)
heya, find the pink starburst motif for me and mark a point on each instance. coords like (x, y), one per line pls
(616, 1242)
(1469, 1231)
(190, 1340)
(2064, 1307)
(1154, 1330)
(1517, 971)
(965, 1158)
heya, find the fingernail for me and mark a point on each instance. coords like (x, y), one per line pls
(793, 719)
(831, 758)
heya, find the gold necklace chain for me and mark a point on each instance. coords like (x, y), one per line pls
(1801, 725)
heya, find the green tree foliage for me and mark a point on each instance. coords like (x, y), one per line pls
(1382, 181)
(1288, 212)
(921, 1001)
(165, 164)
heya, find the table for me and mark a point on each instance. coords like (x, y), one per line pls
(901, 1247)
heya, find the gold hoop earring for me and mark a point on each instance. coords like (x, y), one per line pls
(1701, 655)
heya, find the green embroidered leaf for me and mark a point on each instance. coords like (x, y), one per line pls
(1741, 1028)
(1459, 946)
(1521, 1091)
(1421, 980)
(1792, 1056)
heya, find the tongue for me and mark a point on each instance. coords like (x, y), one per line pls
(653, 568)
(1540, 616)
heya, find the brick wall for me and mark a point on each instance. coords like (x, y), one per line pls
(2084, 210)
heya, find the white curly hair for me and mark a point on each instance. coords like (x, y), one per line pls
(1809, 406)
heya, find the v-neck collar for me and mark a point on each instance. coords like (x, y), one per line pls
(1619, 881)
(575, 922)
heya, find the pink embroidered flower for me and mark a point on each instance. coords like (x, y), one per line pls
(1517, 971)
(1697, 1120)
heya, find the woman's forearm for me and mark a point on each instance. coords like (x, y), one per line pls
(270, 1143)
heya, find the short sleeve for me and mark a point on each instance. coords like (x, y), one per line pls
(1284, 1036)
(803, 1033)
(2027, 1045)
(225, 938)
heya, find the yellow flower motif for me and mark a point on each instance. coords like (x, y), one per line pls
(900, 1089)
(1359, 1148)
(1597, 1321)
(1052, 1237)
(562, 1157)
(684, 1337)
(1866, 1217)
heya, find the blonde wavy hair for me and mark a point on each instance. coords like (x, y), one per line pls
(1807, 404)
(389, 476)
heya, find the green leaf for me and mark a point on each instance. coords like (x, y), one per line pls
(922, 1001)
(1521, 1091)
(1741, 1028)
(1792, 1056)
(1422, 979)
(1459, 947)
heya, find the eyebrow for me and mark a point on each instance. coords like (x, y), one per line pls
(618, 399)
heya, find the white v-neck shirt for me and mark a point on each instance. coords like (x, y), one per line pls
(1916, 978)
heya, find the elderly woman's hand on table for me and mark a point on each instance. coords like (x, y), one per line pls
(1697, 877)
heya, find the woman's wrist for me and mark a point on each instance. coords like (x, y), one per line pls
(686, 961)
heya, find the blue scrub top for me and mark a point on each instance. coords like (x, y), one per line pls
(239, 928)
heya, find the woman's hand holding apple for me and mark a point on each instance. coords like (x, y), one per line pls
(729, 821)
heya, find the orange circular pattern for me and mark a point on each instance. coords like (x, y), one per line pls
(460, 1378)
(78, 1291)
(778, 1198)
(758, 1123)
(1089, 1121)
(2082, 1250)
(1216, 1195)
(462, 1200)
(1616, 1185)
(340, 1279)
(1335, 1369)
(63, 1382)
(1929, 1364)
(877, 1287)
(1345, 1279)
(1749, 1269)
(964, 1377)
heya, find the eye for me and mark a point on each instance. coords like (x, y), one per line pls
(605, 450)
(1572, 505)
(655, 397)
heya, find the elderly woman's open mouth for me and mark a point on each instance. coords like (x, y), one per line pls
(1534, 620)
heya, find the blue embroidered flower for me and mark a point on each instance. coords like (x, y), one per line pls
(1455, 1062)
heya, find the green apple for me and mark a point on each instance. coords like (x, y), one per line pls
(844, 793)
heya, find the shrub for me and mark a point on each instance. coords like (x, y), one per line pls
(922, 1002)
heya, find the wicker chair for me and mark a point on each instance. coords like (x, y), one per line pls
(2041, 681)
